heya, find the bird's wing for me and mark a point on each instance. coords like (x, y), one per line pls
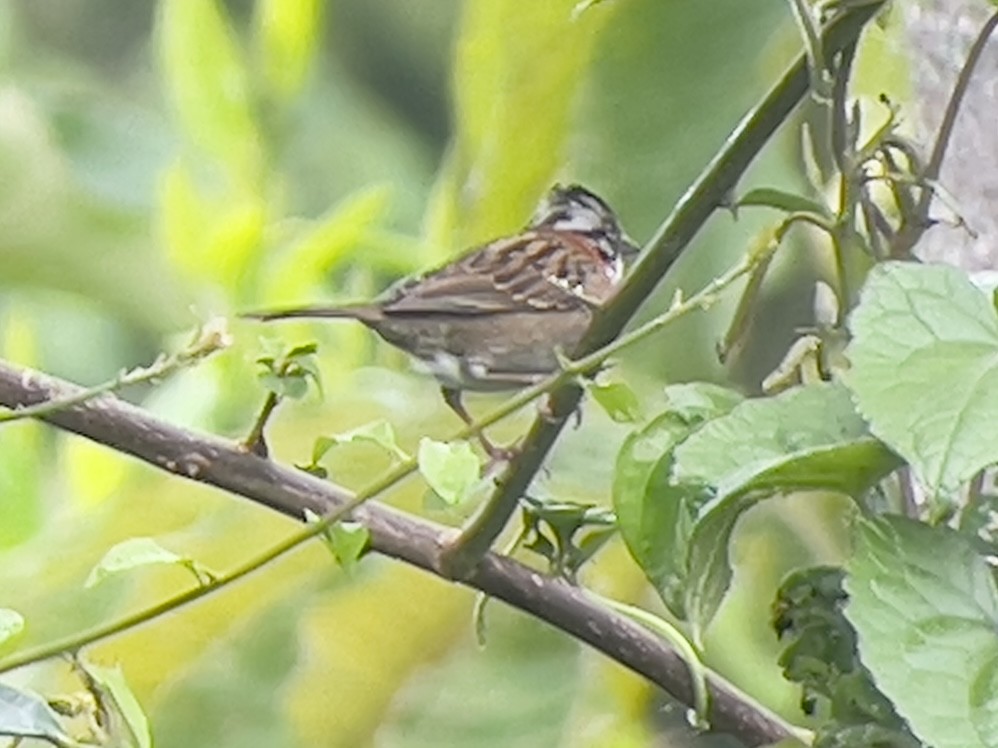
(510, 275)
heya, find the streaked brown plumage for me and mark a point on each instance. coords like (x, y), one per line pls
(494, 318)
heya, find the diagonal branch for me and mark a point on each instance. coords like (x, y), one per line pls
(223, 464)
(707, 193)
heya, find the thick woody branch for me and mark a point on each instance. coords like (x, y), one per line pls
(223, 464)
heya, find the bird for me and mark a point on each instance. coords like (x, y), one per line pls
(498, 317)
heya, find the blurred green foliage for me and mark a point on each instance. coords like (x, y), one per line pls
(161, 162)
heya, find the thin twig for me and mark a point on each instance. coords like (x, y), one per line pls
(207, 339)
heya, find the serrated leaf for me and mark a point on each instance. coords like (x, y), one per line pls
(378, 432)
(805, 438)
(136, 552)
(618, 400)
(451, 469)
(24, 715)
(115, 694)
(759, 430)
(925, 608)
(788, 202)
(11, 624)
(924, 369)
(700, 400)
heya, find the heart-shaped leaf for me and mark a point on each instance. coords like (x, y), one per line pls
(925, 608)
(924, 369)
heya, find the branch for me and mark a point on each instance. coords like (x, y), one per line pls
(219, 463)
(707, 193)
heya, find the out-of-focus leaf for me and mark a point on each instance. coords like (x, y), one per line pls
(451, 469)
(116, 695)
(512, 112)
(93, 472)
(20, 445)
(209, 84)
(640, 98)
(211, 237)
(286, 35)
(924, 369)
(135, 552)
(294, 271)
(493, 699)
(11, 624)
(24, 715)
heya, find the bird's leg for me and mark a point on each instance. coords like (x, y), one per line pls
(453, 399)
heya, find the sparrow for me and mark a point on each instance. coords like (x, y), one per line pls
(497, 317)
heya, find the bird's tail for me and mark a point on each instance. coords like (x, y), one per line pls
(361, 312)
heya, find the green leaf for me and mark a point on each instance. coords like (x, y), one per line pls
(208, 82)
(925, 608)
(346, 540)
(378, 432)
(115, 695)
(654, 514)
(286, 33)
(618, 400)
(24, 715)
(136, 552)
(805, 438)
(762, 429)
(301, 351)
(700, 400)
(498, 167)
(924, 369)
(324, 244)
(788, 202)
(292, 385)
(11, 624)
(495, 701)
(451, 469)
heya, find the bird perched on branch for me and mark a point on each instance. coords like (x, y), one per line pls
(496, 318)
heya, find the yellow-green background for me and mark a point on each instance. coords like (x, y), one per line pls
(161, 163)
